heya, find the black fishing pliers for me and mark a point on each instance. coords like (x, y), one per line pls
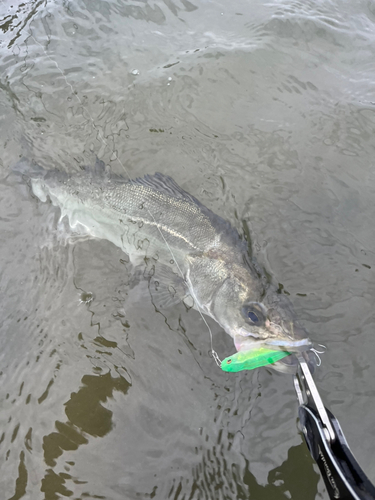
(343, 477)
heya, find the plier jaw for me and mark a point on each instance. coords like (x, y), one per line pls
(343, 477)
(308, 395)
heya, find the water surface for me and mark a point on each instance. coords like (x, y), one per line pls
(266, 113)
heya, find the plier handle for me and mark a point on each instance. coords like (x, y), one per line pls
(343, 477)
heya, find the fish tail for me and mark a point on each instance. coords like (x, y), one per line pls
(29, 168)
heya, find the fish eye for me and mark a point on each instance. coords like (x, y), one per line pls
(253, 313)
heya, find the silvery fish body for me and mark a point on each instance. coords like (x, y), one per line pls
(199, 255)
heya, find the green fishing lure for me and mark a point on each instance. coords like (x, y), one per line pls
(248, 360)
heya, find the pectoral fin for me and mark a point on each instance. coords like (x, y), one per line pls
(167, 288)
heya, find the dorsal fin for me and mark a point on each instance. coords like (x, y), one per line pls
(165, 184)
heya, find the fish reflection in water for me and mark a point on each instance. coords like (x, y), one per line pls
(196, 256)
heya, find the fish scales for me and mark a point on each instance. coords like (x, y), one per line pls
(177, 219)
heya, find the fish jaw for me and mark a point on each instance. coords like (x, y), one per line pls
(293, 345)
(243, 343)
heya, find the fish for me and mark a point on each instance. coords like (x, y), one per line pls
(199, 257)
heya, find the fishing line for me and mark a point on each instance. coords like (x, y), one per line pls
(316, 352)
(213, 352)
(317, 355)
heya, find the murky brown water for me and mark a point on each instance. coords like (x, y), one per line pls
(266, 113)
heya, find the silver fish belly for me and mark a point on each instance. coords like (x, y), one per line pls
(200, 254)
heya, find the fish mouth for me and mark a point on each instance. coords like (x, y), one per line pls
(294, 338)
(290, 345)
(285, 343)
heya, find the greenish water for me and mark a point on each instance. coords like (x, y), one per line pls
(266, 113)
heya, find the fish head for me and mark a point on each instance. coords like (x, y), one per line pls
(269, 321)
(272, 323)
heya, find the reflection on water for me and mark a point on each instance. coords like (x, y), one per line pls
(86, 417)
(265, 112)
(294, 478)
(85, 414)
